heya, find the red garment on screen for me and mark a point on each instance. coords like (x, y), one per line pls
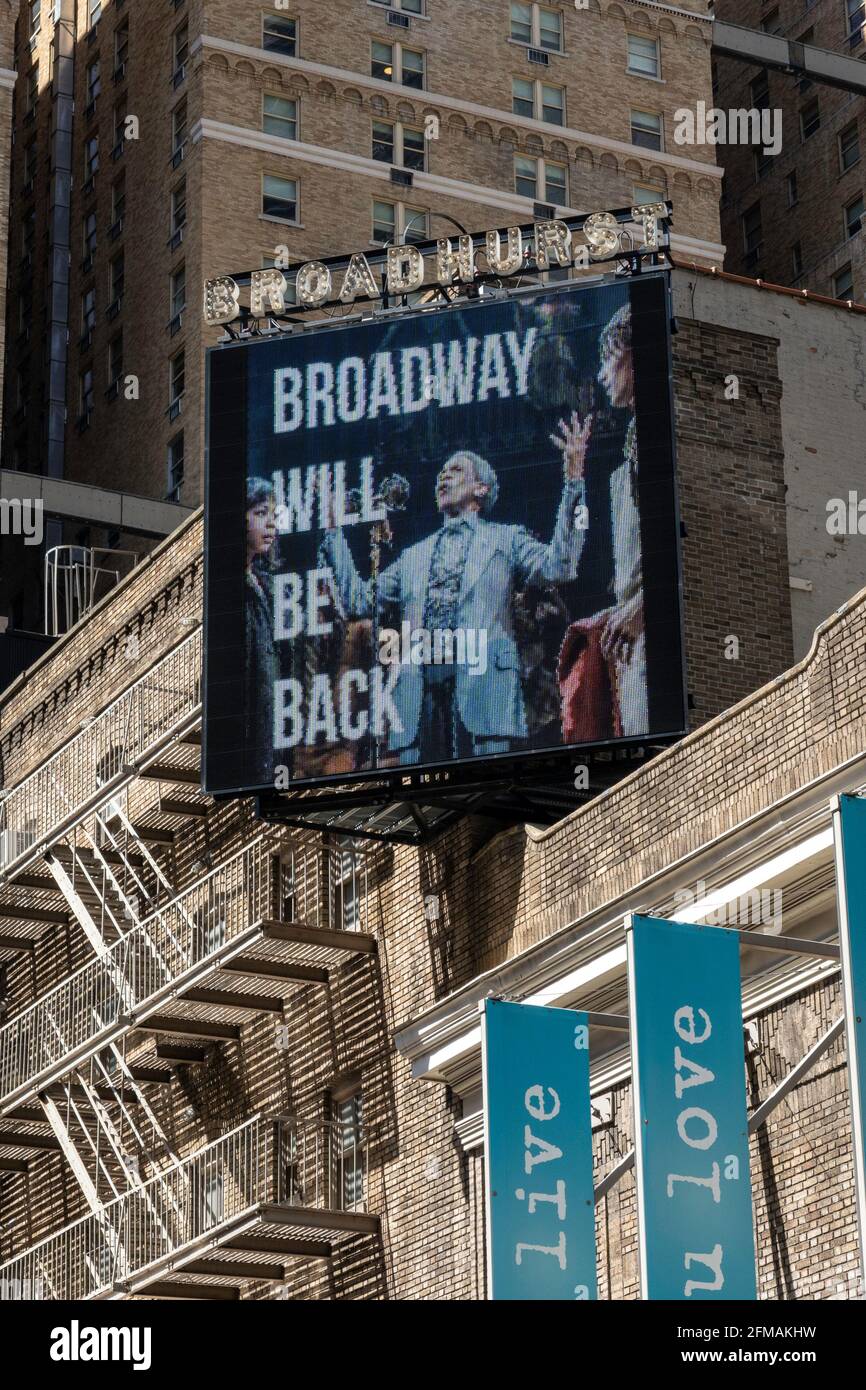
(587, 686)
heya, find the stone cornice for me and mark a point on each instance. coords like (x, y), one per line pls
(490, 113)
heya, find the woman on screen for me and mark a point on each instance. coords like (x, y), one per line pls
(618, 631)
(261, 659)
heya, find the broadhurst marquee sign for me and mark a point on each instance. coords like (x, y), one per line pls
(518, 251)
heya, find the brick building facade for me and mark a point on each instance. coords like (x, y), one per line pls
(282, 1035)
(256, 129)
(795, 218)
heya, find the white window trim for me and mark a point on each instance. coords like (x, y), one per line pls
(400, 220)
(296, 100)
(269, 216)
(397, 63)
(541, 163)
(397, 6)
(633, 111)
(635, 72)
(399, 127)
(538, 101)
(535, 40)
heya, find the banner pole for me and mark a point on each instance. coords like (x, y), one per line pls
(853, 1020)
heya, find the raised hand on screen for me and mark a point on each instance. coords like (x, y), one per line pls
(572, 440)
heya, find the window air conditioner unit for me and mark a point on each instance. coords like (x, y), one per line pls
(401, 20)
(538, 55)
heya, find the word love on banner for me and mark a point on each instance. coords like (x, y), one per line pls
(691, 1126)
(849, 835)
(538, 1153)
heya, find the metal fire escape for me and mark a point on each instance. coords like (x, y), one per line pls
(86, 842)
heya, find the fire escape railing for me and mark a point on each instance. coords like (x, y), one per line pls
(160, 706)
(318, 887)
(105, 996)
(282, 1162)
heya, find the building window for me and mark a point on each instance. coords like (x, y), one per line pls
(115, 360)
(118, 199)
(538, 100)
(349, 1153)
(394, 143)
(177, 292)
(176, 380)
(643, 56)
(35, 18)
(280, 117)
(28, 233)
(641, 195)
(116, 276)
(91, 157)
(536, 26)
(843, 283)
(94, 83)
(856, 19)
(175, 468)
(89, 230)
(121, 48)
(408, 6)
(752, 232)
(796, 260)
(94, 12)
(32, 90)
(853, 216)
(391, 62)
(810, 119)
(280, 35)
(280, 198)
(178, 129)
(849, 147)
(760, 91)
(180, 49)
(119, 126)
(771, 23)
(540, 180)
(791, 188)
(763, 162)
(395, 223)
(646, 130)
(30, 158)
(178, 208)
(85, 394)
(88, 311)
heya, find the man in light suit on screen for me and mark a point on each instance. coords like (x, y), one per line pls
(463, 578)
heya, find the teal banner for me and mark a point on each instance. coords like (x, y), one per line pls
(690, 1120)
(849, 834)
(538, 1153)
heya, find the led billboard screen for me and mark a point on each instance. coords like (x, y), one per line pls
(444, 537)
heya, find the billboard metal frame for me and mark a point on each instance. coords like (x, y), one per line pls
(502, 782)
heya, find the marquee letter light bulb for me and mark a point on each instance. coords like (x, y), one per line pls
(601, 230)
(313, 285)
(405, 269)
(221, 301)
(648, 215)
(267, 292)
(512, 260)
(448, 265)
(552, 243)
(358, 280)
